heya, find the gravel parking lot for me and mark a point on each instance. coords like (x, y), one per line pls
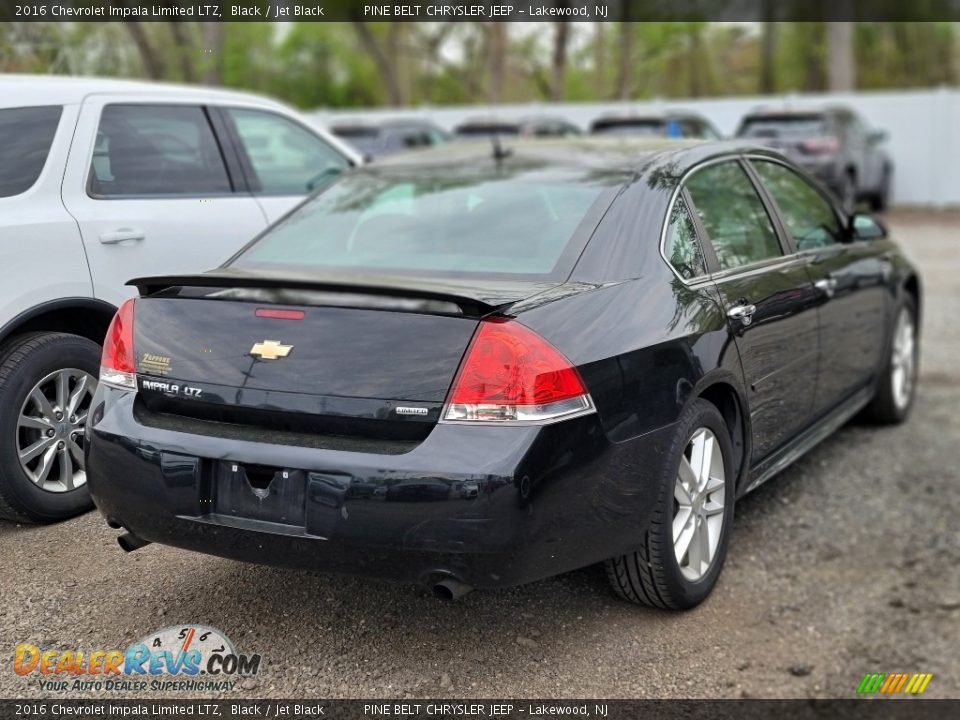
(849, 562)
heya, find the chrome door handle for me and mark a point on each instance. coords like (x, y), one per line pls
(826, 285)
(743, 313)
(122, 235)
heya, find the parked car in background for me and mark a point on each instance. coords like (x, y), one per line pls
(482, 128)
(537, 126)
(101, 180)
(547, 126)
(671, 125)
(578, 352)
(390, 136)
(834, 144)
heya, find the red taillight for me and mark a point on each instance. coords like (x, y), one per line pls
(511, 373)
(278, 314)
(821, 145)
(118, 364)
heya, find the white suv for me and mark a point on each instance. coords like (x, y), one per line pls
(101, 181)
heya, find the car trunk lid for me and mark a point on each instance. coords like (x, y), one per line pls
(345, 357)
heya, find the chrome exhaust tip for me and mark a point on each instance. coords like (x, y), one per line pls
(450, 589)
(130, 542)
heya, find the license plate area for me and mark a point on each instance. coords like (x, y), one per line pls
(260, 492)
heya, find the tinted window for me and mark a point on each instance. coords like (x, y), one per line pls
(482, 131)
(809, 217)
(681, 245)
(441, 221)
(156, 150)
(364, 140)
(649, 128)
(733, 214)
(784, 126)
(26, 135)
(287, 158)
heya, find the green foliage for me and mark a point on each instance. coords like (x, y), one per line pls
(360, 64)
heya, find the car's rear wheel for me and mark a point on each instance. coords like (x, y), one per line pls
(880, 200)
(848, 192)
(47, 382)
(682, 551)
(897, 385)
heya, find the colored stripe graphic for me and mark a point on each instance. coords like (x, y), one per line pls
(893, 683)
(871, 683)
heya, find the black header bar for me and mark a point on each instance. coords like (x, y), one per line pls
(417, 709)
(476, 10)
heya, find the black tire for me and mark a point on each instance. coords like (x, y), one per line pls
(24, 361)
(652, 575)
(880, 200)
(885, 409)
(848, 192)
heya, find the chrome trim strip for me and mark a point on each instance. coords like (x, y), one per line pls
(589, 410)
(752, 268)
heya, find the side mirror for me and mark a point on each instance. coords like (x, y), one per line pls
(866, 227)
(877, 136)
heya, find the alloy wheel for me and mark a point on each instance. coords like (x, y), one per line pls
(903, 361)
(50, 430)
(699, 496)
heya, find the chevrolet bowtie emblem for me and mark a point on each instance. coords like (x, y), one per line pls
(270, 350)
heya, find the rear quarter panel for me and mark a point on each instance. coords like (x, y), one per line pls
(41, 254)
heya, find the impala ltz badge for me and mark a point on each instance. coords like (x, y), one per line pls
(270, 350)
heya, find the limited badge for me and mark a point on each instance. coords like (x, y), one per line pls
(154, 364)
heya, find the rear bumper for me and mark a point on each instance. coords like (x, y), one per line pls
(490, 506)
(825, 169)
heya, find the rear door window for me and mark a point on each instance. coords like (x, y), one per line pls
(733, 215)
(156, 150)
(808, 215)
(681, 246)
(26, 135)
(286, 157)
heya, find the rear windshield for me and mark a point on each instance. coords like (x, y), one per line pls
(788, 126)
(364, 139)
(644, 128)
(26, 135)
(471, 131)
(526, 223)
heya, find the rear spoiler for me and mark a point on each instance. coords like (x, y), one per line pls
(471, 303)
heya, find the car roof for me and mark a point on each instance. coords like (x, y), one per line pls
(653, 116)
(637, 155)
(794, 111)
(31, 90)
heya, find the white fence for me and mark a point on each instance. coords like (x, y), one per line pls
(924, 128)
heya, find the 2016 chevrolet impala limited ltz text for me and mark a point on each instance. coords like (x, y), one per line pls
(490, 367)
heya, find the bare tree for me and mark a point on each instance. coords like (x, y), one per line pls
(841, 74)
(497, 44)
(386, 65)
(185, 50)
(600, 57)
(695, 64)
(152, 61)
(625, 68)
(213, 43)
(558, 66)
(768, 50)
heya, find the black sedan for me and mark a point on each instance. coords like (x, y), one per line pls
(529, 361)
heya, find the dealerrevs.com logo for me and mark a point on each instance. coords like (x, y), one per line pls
(191, 658)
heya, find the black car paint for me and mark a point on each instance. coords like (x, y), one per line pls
(530, 501)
